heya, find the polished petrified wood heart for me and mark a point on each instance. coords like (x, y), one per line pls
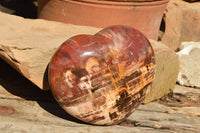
(101, 79)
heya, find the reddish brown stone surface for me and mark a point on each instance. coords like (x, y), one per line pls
(6, 110)
(101, 79)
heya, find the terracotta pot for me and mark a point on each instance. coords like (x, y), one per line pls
(41, 4)
(144, 15)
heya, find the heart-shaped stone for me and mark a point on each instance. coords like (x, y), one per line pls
(101, 79)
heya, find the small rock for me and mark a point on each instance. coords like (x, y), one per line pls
(126, 123)
(157, 126)
(189, 57)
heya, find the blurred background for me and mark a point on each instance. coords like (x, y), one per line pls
(24, 8)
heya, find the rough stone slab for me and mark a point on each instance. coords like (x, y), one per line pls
(167, 68)
(28, 46)
(189, 56)
(181, 23)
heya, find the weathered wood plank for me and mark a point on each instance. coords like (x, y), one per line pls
(37, 111)
(32, 116)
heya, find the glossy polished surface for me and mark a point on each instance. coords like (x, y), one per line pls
(101, 79)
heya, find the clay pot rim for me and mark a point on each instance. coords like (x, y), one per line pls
(120, 3)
